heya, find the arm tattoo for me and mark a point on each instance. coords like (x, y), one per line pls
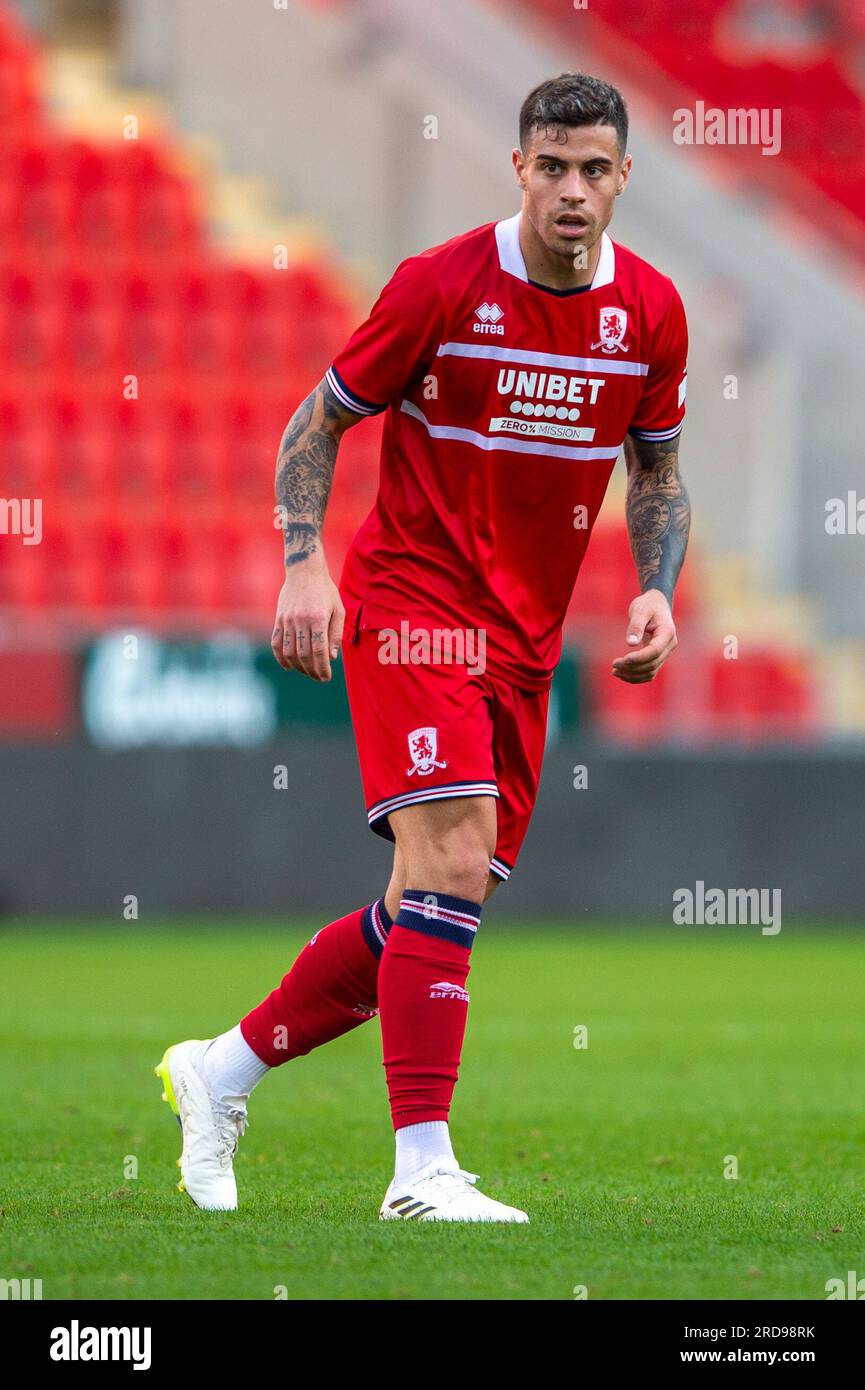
(304, 470)
(658, 513)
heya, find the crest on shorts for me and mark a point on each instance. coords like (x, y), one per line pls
(423, 744)
(612, 327)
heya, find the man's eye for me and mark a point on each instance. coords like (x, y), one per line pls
(551, 168)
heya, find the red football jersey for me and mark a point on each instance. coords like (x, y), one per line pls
(507, 404)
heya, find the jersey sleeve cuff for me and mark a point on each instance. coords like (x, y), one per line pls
(348, 398)
(651, 436)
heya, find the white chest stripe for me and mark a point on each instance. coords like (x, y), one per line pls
(544, 359)
(520, 446)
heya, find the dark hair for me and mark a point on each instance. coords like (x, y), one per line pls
(574, 98)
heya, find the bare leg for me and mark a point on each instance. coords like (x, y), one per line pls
(397, 885)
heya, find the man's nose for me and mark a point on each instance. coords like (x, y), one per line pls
(574, 188)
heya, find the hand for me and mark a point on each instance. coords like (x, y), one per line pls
(651, 634)
(307, 632)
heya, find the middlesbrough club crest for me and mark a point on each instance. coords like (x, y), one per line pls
(613, 327)
(423, 746)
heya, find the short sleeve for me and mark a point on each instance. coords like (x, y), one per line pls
(661, 410)
(399, 338)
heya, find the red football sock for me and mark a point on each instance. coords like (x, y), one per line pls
(424, 1003)
(330, 989)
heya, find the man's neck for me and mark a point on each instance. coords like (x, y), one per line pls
(557, 272)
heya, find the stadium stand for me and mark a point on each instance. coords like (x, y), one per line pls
(145, 379)
(800, 55)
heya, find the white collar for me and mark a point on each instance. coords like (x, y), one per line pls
(511, 257)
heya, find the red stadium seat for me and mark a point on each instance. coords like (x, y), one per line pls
(763, 694)
(19, 101)
(701, 50)
(159, 505)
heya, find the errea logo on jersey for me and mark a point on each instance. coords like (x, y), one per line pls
(490, 316)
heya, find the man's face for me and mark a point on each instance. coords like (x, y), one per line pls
(570, 176)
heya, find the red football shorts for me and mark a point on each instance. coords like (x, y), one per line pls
(429, 731)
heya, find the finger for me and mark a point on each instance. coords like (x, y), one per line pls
(634, 673)
(320, 658)
(637, 677)
(636, 624)
(302, 647)
(640, 668)
(276, 644)
(290, 646)
(660, 643)
(334, 631)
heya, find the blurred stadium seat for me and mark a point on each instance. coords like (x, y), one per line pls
(723, 51)
(146, 380)
(107, 276)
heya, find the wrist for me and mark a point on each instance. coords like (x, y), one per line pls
(309, 554)
(667, 597)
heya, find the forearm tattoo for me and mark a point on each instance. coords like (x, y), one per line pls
(658, 513)
(304, 470)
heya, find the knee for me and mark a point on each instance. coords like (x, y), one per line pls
(456, 862)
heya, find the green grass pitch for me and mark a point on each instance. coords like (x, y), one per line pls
(702, 1043)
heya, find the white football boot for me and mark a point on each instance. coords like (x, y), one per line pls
(211, 1127)
(443, 1194)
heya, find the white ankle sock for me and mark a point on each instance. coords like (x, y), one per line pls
(418, 1145)
(230, 1065)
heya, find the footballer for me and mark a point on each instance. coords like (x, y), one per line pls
(513, 363)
